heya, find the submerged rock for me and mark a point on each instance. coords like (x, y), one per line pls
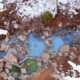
(11, 78)
(3, 76)
(45, 57)
(65, 48)
(30, 65)
(15, 69)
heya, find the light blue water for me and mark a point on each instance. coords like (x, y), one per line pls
(68, 39)
(61, 31)
(79, 31)
(57, 42)
(13, 40)
(20, 43)
(21, 57)
(36, 45)
(2, 54)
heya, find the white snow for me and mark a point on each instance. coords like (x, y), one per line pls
(71, 78)
(75, 67)
(10, 1)
(63, 1)
(34, 8)
(1, 7)
(3, 32)
(71, 7)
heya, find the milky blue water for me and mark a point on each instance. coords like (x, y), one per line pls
(36, 45)
(2, 54)
(57, 42)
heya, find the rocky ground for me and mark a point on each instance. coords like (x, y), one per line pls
(19, 41)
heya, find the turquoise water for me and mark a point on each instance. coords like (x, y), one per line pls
(57, 42)
(36, 45)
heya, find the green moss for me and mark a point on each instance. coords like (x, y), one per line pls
(30, 65)
(47, 18)
(15, 69)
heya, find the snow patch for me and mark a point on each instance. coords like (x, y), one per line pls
(63, 1)
(3, 32)
(34, 8)
(70, 6)
(75, 68)
(1, 6)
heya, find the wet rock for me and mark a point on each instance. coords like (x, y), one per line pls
(3, 47)
(65, 48)
(79, 58)
(23, 71)
(60, 54)
(15, 69)
(23, 77)
(39, 64)
(46, 34)
(45, 57)
(43, 37)
(11, 58)
(3, 75)
(19, 48)
(8, 66)
(1, 65)
(60, 24)
(72, 55)
(22, 37)
(47, 42)
(11, 78)
(7, 71)
(7, 38)
(12, 51)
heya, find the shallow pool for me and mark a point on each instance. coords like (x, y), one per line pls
(57, 42)
(2, 54)
(36, 45)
